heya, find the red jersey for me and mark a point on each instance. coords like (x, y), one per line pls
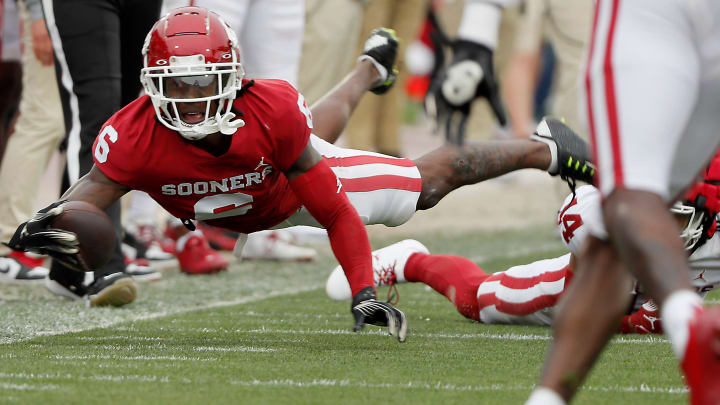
(243, 189)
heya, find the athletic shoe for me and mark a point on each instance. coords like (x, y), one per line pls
(28, 258)
(140, 272)
(13, 271)
(643, 321)
(382, 49)
(218, 238)
(63, 289)
(275, 245)
(151, 236)
(148, 243)
(115, 289)
(701, 362)
(388, 268)
(197, 257)
(570, 153)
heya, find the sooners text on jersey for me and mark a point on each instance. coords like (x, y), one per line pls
(243, 189)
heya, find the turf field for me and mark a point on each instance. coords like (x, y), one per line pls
(265, 333)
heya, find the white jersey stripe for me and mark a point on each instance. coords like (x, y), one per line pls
(354, 172)
(515, 296)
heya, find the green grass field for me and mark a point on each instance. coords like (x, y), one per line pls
(265, 333)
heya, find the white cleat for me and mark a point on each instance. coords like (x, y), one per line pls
(274, 245)
(388, 268)
(14, 272)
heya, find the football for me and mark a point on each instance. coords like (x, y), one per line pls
(94, 231)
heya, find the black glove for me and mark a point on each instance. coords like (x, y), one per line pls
(470, 75)
(382, 48)
(36, 236)
(368, 310)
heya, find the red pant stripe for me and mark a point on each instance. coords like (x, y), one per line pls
(610, 98)
(367, 160)
(364, 184)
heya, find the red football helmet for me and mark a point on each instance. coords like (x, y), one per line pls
(191, 55)
(702, 205)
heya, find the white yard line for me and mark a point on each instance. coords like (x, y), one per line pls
(141, 316)
(483, 335)
(442, 386)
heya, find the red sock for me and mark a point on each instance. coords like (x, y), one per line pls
(457, 278)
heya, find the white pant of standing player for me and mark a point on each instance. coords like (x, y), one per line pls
(652, 92)
(270, 33)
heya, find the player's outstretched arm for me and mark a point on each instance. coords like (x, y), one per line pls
(97, 189)
(320, 191)
(374, 72)
(37, 234)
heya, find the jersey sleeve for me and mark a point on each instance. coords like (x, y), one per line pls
(114, 153)
(295, 128)
(581, 216)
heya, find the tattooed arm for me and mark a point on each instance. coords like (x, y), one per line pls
(450, 167)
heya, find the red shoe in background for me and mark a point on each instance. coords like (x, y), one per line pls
(643, 321)
(197, 257)
(150, 236)
(218, 238)
(26, 259)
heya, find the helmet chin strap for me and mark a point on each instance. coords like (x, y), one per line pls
(220, 123)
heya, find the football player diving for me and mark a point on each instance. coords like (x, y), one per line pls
(210, 145)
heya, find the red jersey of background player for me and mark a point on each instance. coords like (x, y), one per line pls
(243, 189)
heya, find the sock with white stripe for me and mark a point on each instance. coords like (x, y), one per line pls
(676, 313)
(545, 396)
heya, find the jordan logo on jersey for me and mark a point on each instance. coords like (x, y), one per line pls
(266, 168)
(261, 164)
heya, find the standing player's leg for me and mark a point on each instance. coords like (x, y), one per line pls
(582, 327)
(641, 84)
(271, 39)
(89, 81)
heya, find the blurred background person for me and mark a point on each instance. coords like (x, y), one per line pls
(375, 124)
(564, 25)
(10, 69)
(37, 133)
(97, 49)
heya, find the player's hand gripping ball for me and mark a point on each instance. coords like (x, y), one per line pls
(75, 233)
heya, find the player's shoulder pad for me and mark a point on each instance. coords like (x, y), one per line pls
(580, 216)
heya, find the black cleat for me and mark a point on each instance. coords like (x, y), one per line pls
(115, 289)
(382, 47)
(570, 153)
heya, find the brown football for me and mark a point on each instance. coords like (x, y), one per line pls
(94, 231)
